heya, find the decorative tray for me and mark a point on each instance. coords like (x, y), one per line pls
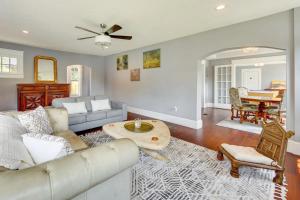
(145, 127)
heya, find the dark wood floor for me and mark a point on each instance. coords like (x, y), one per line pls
(211, 136)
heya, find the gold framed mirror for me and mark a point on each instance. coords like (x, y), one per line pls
(45, 69)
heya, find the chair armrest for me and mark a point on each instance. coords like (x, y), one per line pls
(120, 105)
(70, 176)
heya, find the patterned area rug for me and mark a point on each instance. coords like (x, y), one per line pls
(194, 173)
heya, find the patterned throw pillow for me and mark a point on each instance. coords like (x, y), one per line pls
(44, 147)
(13, 153)
(36, 121)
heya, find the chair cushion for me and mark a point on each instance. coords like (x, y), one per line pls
(93, 116)
(248, 154)
(87, 101)
(77, 118)
(114, 113)
(76, 142)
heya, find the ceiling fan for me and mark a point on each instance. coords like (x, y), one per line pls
(103, 38)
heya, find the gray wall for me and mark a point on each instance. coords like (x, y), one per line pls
(8, 85)
(175, 83)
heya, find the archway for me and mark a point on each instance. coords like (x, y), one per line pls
(223, 69)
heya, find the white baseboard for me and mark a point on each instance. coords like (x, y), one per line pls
(293, 147)
(208, 105)
(165, 117)
(221, 106)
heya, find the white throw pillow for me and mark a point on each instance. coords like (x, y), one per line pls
(103, 104)
(75, 108)
(36, 121)
(44, 148)
(13, 153)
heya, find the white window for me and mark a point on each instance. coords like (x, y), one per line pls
(11, 63)
(74, 77)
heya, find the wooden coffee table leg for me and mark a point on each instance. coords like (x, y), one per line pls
(154, 154)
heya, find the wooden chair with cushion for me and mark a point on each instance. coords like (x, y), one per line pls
(276, 111)
(269, 153)
(243, 111)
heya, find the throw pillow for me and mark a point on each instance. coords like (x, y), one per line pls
(44, 148)
(75, 108)
(36, 121)
(103, 104)
(13, 153)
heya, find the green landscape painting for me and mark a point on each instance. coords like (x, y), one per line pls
(122, 62)
(152, 59)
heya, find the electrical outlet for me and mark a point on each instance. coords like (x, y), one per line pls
(175, 108)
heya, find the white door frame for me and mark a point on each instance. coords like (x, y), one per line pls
(252, 69)
(219, 105)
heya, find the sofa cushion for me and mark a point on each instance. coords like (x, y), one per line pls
(58, 103)
(114, 113)
(77, 118)
(87, 101)
(100, 97)
(3, 169)
(93, 116)
(76, 142)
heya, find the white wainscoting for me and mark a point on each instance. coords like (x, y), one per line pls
(165, 117)
(294, 147)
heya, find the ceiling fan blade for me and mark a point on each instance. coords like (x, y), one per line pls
(112, 29)
(121, 37)
(83, 38)
(81, 28)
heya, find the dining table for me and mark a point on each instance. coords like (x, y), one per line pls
(262, 102)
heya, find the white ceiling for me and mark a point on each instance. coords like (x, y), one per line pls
(51, 22)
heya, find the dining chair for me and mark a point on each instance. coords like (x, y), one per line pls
(240, 110)
(243, 92)
(268, 154)
(276, 111)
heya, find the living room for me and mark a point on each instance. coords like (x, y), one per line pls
(115, 70)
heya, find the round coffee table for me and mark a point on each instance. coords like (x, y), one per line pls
(156, 139)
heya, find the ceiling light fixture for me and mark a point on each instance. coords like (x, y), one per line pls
(250, 50)
(220, 7)
(103, 40)
(25, 32)
(259, 64)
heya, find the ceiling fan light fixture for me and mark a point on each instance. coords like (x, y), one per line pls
(103, 40)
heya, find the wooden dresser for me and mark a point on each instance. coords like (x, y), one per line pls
(33, 95)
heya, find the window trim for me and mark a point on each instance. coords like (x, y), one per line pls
(17, 54)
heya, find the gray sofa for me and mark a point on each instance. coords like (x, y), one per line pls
(80, 122)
